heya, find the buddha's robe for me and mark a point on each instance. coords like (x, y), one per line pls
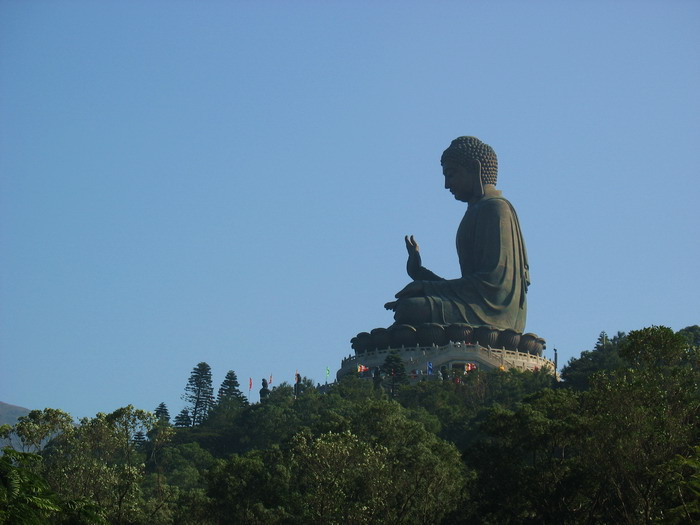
(495, 275)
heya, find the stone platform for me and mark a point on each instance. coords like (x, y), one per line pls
(451, 356)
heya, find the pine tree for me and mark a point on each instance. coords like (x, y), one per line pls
(230, 391)
(183, 419)
(199, 393)
(139, 439)
(395, 371)
(394, 367)
(162, 413)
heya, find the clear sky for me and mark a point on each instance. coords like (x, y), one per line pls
(231, 182)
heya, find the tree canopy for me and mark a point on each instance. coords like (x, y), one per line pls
(618, 441)
(199, 393)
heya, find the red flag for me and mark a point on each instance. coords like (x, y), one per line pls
(270, 378)
(250, 383)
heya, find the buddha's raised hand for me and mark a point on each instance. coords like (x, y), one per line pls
(414, 263)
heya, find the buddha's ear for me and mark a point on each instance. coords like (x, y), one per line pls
(478, 183)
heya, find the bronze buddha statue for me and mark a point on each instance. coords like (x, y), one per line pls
(492, 257)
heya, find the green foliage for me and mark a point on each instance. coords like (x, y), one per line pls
(250, 489)
(230, 392)
(394, 372)
(645, 416)
(353, 388)
(182, 465)
(199, 393)
(605, 356)
(342, 478)
(230, 401)
(25, 497)
(162, 413)
(656, 346)
(691, 334)
(99, 461)
(36, 428)
(617, 442)
(183, 419)
(382, 467)
(394, 368)
(455, 404)
(428, 476)
(529, 453)
(687, 477)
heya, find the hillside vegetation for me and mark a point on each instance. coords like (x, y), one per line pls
(616, 441)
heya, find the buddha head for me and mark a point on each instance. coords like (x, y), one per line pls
(466, 151)
(468, 164)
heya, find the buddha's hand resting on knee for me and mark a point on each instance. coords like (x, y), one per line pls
(412, 289)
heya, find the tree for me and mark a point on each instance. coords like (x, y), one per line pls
(642, 417)
(230, 391)
(99, 461)
(139, 439)
(604, 356)
(162, 413)
(183, 419)
(343, 479)
(654, 347)
(691, 334)
(688, 480)
(25, 497)
(182, 464)
(230, 401)
(427, 473)
(395, 371)
(531, 454)
(36, 428)
(348, 462)
(253, 488)
(199, 393)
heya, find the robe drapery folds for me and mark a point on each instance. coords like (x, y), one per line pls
(495, 274)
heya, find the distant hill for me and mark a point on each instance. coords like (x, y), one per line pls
(10, 413)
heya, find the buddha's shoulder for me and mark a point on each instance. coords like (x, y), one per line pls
(495, 204)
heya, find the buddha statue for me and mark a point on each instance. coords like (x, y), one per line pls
(493, 286)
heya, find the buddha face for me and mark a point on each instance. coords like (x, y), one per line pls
(461, 181)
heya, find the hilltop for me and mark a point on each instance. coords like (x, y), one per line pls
(10, 413)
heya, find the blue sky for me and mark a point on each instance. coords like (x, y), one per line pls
(231, 182)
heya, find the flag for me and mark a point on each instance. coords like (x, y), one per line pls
(430, 367)
(250, 383)
(362, 368)
(270, 379)
(328, 371)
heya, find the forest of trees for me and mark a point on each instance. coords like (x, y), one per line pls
(616, 440)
